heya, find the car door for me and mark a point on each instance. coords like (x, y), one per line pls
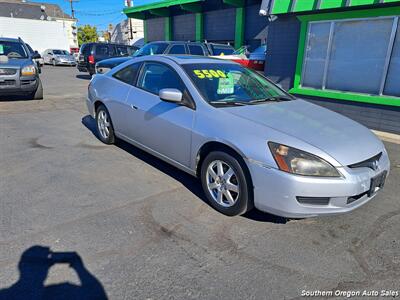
(124, 80)
(49, 56)
(196, 49)
(164, 127)
(102, 51)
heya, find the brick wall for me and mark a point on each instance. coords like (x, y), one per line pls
(155, 29)
(219, 25)
(184, 27)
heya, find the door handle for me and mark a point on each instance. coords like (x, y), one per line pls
(133, 107)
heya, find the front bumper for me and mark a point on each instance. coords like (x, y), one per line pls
(66, 63)
(277, 192)
(10, 85)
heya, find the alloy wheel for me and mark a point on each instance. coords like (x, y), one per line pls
(103, 123)
(222, 183)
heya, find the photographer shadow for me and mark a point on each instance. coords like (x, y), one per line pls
(34, 267)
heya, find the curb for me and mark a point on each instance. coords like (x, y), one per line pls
(387, 136)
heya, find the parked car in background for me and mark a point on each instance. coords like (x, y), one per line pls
(58, 57)
(76, 56)
(19, 73)
(248, 141)
(174, 47)
(91, 53)
(257, 58)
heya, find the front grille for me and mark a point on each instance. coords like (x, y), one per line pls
(7, 82)
(371, 163)
(7, 71)
(313, 200)
(27, 82)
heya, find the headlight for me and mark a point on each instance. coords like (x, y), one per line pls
(298, 162)
(28, 70)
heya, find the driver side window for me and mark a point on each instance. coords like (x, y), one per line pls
(156, 76)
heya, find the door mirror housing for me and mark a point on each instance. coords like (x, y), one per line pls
(171, 95)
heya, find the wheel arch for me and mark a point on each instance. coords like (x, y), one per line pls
(211, 146)
(96, 105)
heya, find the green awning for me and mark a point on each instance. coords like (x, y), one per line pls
(296, 6)
(161, 7)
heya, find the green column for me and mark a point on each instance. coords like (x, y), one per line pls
(145, 31)
(168, 28)
(239, 27)
(199, 27)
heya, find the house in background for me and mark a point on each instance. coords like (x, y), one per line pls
(46, 12)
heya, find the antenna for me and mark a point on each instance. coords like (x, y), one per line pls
(72, 7)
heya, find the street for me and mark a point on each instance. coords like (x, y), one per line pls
(143, 228)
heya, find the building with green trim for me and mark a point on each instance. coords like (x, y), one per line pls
(341, 54)
(234, 21)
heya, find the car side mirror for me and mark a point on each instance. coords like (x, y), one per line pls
(36, 55)
(171, 95)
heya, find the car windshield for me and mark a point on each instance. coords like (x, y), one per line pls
(12, 49)
(222, 49)
(232, 84)
(60, 52)
(151, 49)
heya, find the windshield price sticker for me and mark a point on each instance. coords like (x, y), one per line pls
(1, 49)
(209, 74)
(226, 86)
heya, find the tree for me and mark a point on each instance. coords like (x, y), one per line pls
(87, 34)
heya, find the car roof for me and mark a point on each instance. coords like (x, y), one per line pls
(175, 42)
(193, 59)
(4, 39)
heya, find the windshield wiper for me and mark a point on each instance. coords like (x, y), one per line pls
(272, 99)
(233, 103)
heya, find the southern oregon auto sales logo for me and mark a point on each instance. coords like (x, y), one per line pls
(350, 294)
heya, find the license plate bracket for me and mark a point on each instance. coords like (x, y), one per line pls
(377, 182)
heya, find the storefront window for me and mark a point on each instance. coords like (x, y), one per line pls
(392, 86)
(361, 56)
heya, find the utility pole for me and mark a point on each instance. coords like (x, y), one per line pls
(129, 4)
(72, 7)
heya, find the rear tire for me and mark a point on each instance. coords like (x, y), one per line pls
(226, 184)
(105, 130)
(38, 94)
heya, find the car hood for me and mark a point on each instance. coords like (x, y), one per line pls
(113, 62)
(16, 63)
(345, 140)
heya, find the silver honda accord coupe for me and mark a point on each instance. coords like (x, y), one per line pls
(250, 143)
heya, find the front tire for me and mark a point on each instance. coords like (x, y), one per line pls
(104, 126)
(54, 63)
(226, 184)
(38, 94)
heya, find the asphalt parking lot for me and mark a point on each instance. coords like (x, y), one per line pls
(143, 229)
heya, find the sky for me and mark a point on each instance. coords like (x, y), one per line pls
(94, 12)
